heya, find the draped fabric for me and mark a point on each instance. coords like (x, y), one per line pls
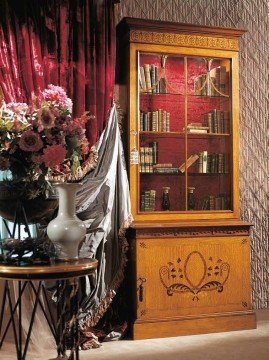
(104, 205)
(60, 42)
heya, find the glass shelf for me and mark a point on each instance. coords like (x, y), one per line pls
(180, 134)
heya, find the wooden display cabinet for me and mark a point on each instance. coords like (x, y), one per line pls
(190, 252)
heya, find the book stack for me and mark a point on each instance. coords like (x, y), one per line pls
(197, 128)
(158, 120)
(217, 121)
(165, 169)
(148, 157)
(150, 81)
(147, 200)
(219, 202)
(216, 83)
(216, 163)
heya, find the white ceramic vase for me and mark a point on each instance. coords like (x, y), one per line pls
(67, 231)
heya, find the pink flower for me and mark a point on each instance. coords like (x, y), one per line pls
(58, 95)
(30, 141)
(54, 155)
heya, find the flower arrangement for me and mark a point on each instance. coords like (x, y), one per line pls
(42, 142)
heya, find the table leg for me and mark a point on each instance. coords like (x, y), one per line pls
(5, 298)
(12, 311)
(19, 315)
(2, 311)
(31, 321)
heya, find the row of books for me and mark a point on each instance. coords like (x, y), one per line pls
(220, 202)
(158, 120)
(217, 121)
(215, 83)
(213, 163)
(150, 80)
(147, 200)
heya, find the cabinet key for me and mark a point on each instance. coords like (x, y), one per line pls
(141, 288)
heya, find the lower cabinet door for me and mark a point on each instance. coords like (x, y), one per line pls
(192, 276)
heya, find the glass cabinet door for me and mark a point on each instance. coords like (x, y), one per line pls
(184, 126)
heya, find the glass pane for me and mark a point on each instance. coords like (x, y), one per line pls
(208, 130)
(161, 118)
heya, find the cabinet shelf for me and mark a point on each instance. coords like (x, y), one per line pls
(187, 94)
(181, 134)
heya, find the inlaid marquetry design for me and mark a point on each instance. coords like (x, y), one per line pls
(142, 245)
(183, 40)
(181, 276)
(189, 232)
(143, 312)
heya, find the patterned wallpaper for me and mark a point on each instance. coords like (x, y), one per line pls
(253, 15)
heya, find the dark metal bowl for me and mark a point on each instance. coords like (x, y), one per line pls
(38, 210)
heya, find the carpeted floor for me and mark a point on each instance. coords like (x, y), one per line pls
(237, 345)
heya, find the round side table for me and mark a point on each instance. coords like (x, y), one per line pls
(66, 275)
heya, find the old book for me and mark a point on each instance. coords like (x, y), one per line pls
(147, 77)
(166, 170)
(167, 122)
(142, 202)
(142, 159)
(197, 131)
(152, 200)
(143, 86)
(205, 153)
(154, 123)
(191, 160)
(165, 165)
(152, 78)
(154, 146)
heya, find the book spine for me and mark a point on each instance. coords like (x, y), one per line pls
(160, 119)
(150, 160)
(157, 79)
(141, 125)
(167, 122)
(204, 162)
(200, 163)
(142, 202)
(142, 159)
(215, 121)
(154, 146)
(143, 86)
(147, 77)
(152, 78)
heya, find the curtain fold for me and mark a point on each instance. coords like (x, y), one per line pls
(66, 43)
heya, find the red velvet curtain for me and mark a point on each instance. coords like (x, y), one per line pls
(66, 43)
